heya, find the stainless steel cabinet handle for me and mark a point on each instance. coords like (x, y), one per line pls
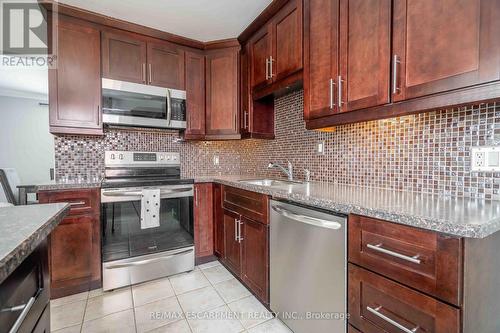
(332, 85)
(307, 219)
(245, 123)
(271, 67)
(196, 196)
(395, 63)
(379, 248)
(150, 73)
(144, 72)
(376, 312)
(339, 79)
(236, 223)
(26, 309)
(148, 261)
(267, 69)
(169, 107)
(77, 203)
(239, 231)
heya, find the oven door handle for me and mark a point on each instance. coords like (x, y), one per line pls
(148, 261)
(139, 193)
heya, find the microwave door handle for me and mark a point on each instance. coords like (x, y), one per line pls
(169, 107)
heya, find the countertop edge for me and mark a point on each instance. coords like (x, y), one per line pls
(12, 260)
(386, 214)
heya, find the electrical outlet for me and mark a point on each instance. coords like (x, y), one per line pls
(485, 158)
(321, 147)
(216, 159)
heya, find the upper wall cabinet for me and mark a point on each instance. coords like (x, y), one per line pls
(124, 57)
(195, 95)
(444, 53)
(133, 58)
(347, 55)
(75, 85)
(441, 45)
(222, 90)
(276, 50)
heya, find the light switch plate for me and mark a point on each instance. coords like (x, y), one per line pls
(485, 158)
(216, 160)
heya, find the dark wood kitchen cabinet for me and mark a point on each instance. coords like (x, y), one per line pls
(203, 221)
(75, 82)
(218, 222)
(461, 45)
(347, 55)
(124, 57)
(374, 59)
(135, 58)
(195, 95)
(246, 238)
(75, 244)
(255, 256)
(232, 248)
(222, 93)
(166, 65)
(276, 50)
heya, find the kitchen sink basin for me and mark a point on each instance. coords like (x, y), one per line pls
(269, 182)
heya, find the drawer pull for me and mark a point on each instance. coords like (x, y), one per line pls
(390, 321)
(77, 203)
(379, 248)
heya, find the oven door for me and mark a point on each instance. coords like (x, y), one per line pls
(122, 236)
(132, 104)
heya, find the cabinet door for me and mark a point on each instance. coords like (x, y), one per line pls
(195, 95)
(441, 45)
(321, 31)
(232, 251)
(218, 222)
(245, 94)
(287, 41)
(365, 53)
(255, 257)
(222, 92)
(260, 53)
(75, 85)
(203, 220)
(165, 65)
(74, 255)
(123, 57)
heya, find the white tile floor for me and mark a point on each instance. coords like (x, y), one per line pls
(208, 299)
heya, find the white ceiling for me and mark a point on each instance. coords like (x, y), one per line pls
(203, 20)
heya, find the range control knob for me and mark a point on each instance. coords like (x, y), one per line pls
(112, 156)
(120, 156)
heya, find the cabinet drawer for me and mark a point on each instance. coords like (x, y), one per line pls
(82, 201)
(425, 260)
(250, 204)
(377, 304)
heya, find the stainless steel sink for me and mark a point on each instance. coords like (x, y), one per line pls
(269, 182)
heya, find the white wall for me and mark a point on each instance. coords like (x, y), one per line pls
(25, 141)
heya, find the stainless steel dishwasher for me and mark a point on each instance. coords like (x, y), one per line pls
(308, 268)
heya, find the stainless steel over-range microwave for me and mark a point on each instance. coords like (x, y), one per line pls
(140, 105)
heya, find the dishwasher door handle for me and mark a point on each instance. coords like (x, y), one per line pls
(322, 223)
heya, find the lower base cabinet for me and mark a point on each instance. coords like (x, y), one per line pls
(377, 304)
(75, 244)
(255, 257)
(246, 241)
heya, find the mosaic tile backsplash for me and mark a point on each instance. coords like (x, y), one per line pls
(426, 153)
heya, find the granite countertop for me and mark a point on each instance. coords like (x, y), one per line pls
(23, 228)
(464, 217)
(59, 185)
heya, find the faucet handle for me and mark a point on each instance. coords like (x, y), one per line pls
(307, 173)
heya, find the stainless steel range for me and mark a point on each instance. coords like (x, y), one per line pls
(130, 253)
